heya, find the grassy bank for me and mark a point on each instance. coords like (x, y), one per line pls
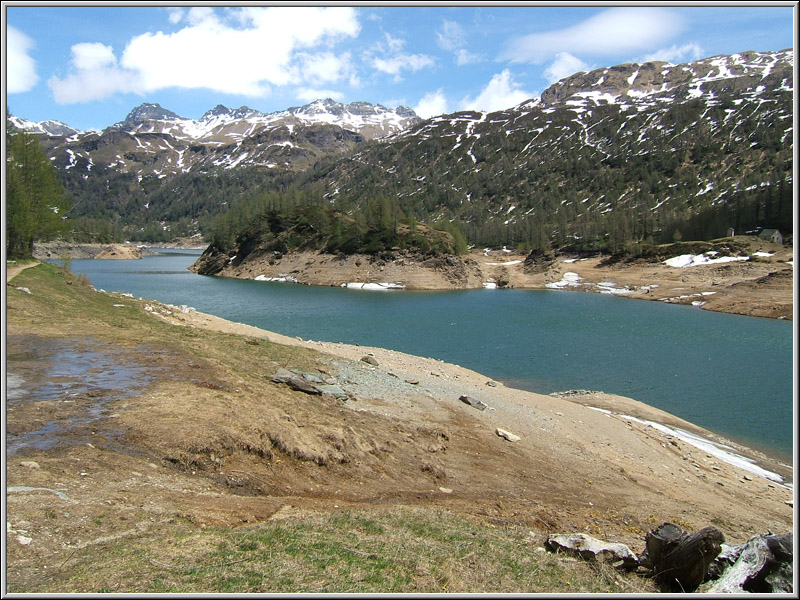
(400, 550)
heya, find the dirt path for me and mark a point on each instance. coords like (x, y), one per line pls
(13, 269)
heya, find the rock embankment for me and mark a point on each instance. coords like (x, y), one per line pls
(757, 283)
(404, 270)
(57, 250)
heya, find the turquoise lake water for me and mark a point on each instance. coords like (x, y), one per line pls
(728, 373)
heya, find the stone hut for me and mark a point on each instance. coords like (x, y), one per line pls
(771, 235)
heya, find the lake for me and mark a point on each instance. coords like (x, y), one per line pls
(728, 373)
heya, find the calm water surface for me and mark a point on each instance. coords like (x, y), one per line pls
(727, 373)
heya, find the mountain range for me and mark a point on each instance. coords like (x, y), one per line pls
(634, 151)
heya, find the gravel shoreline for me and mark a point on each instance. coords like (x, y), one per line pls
(387, 385)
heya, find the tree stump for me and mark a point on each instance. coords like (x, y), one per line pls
(680, 560)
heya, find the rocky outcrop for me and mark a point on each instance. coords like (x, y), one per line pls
(60, 249)
(762, 565)
(120, 252)
(538, 262)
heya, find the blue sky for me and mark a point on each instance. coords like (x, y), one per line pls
(88, 66)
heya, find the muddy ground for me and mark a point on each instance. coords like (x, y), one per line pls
(127, 416)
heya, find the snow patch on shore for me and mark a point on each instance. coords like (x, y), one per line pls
(720, 451)
(692, 260)
(568, 279)
(373, 286)
(504, 264)
(281, 279)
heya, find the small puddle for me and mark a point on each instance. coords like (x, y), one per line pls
(56, 388)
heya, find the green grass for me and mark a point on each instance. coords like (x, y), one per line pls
(400, 550)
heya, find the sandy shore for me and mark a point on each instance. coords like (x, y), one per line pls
(623, 452)
(407, 366)
(761, 285)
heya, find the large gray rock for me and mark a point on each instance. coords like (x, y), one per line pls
(473, 402)
(295, 381)
(762, 565)
(332, 389)
(590, 548)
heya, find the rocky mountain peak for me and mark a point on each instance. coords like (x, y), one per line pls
(150, 112)
(405, 112)
(50, 127)
(220, 110)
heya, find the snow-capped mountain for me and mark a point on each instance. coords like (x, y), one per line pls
(646, 83)
(152, 140)
(53, 128)
(652, 144)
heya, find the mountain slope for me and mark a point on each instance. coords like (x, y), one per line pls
(632, 153)
(156, 175)
(641, 148)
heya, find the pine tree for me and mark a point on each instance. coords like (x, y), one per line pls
(35, 200)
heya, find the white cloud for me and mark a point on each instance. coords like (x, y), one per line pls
(387, 57)
(20, 67)
(394, 44)
(200, 14)
(431, 105)
(451, 37)
(623, 29)
(247, 52)
(563, 66)
(325, 67)
(502, 92)
(175, 15)
(311, 94)
(402, 62)
(465, 57)
(675, 54)
(88, 56)
(94, 75)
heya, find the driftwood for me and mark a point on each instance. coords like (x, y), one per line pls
(679, 560)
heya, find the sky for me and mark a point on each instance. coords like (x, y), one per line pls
(90, 65)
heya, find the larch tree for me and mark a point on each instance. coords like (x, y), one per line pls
(36, 203)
